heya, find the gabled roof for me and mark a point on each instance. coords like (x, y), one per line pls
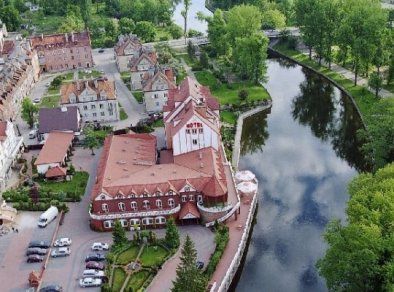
(124, 41)
(159, 75)
(58, 119)
(189, 209)
(56, 171)
(97, 85)
(56, 41)
(150, 57)
(55, 148)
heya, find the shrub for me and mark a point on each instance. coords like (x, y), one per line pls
(71, 169)
(243, 94)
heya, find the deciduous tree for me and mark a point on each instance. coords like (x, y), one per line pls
(146, 31)
(29, 110)
(118, 234)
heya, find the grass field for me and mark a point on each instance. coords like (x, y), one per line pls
(137, 280)
(118, 280)
(128, 255)
(228, 93)
(153, 255)
(50, 101)
(122, 114)
(228, 117)
(77, 184)
(139, 96)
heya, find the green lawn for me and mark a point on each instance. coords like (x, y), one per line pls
(52, 91)
(153, 255)
(137, 280)
(118, 279)
(228, 93)
(139, 96)
(46, 24)
(122, 114)
(77, 184)
(228, 117)
(128, 255)
(158, 123)
(84, 75)
(50, 101)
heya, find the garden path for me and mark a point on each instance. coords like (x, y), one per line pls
(129, 273)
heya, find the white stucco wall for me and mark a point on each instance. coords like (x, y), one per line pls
(43, 168)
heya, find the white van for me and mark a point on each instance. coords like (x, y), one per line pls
(48, 216)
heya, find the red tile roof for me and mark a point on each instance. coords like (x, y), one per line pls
(56, 171)
(55, 148)
(151, 57)
(189, 208)
(159, 75)
(56, 41)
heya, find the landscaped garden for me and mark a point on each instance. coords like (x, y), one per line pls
(133, 264)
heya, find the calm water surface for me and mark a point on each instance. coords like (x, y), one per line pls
(304, 152)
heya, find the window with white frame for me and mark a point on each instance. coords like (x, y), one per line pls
(104, 207)
(160, 220)
(146, 204)
(159, 204)
(171, 203)
(134, 222)
(121, 206)
(123, 222)
(108, 224)
(194, 141)
(191, 197)
(184, 198)
(133, 205)
(199, 198)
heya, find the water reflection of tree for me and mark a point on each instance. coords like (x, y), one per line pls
(287, 64)
(345, 141)
(314, 106)
(317, 107)
(254, 132)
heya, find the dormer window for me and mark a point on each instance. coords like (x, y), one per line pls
(187, 189)
(102, 197)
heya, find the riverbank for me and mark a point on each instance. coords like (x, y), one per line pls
(376, 114)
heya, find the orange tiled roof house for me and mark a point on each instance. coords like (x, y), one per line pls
(137, 184)
(61, 52)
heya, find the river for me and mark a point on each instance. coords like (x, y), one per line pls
(304, 151)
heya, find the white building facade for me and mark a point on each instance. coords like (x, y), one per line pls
(10, 149)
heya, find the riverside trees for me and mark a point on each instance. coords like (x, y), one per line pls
(237, 37)
(356, 27)
(361, 254)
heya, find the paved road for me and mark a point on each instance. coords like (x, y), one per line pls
(135, 111)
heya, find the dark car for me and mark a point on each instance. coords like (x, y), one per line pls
(40, 243)
(36, 250)
(96, 257)
(200, 265)
(52, 288)
(35, 258)
(95, 266)
(101, 51)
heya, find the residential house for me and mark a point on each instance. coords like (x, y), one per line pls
(96, 99)
(66, 119)
(10, 149)
(60, 52)
(19, 70)
(139, 187)
(54, 153)
(126, 49)
(142, 69)
(156, 90)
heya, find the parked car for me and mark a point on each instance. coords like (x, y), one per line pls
(99, 246)
(37, 100)
(95, 265)
(93, 273)
(101, 51)
(52, 288)
(40, 243)
(64, 241)
(200, 265)
(96, 257)
(90, 282)
(36, 250)
(35, 258)
(61, 252)
(32, 134)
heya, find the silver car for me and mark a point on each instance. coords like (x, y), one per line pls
(90, 282)
(61, 252)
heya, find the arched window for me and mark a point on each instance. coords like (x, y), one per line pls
(171, 203)
(104, 207)
(134, 205)
(159, 204)
(146, 204)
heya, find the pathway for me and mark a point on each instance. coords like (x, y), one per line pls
(348, 74)
(126, 281)
(188, 69)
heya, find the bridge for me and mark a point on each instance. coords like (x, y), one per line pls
(272, 34)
